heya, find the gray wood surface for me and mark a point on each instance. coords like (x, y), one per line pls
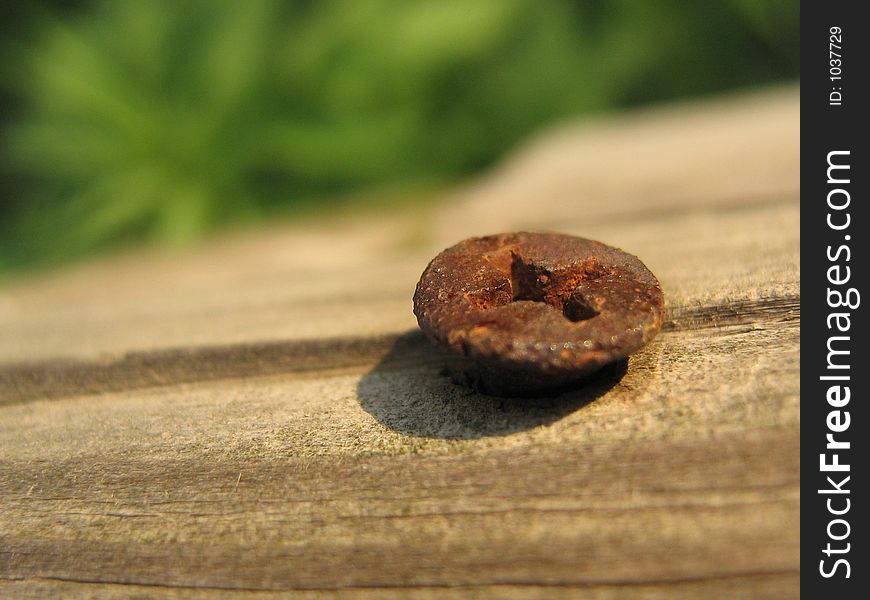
(258, 416)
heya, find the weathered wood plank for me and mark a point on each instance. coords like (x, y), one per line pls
(593, 514)
(733, 235)
(255, 417)
(676, 474)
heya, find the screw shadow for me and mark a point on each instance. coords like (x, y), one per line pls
(409, 392)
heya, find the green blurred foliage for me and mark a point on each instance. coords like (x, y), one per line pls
(159, 120)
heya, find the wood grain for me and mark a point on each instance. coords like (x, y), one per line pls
(258, 416)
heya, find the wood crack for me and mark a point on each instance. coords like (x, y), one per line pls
(61, 378)
(580, 583)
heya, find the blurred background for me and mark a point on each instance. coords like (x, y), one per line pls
(125, 123)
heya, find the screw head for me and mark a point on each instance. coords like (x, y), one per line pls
(533, 312)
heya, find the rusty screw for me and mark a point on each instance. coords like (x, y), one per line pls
(534, 312)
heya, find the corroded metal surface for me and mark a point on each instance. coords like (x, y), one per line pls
(536, 311)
